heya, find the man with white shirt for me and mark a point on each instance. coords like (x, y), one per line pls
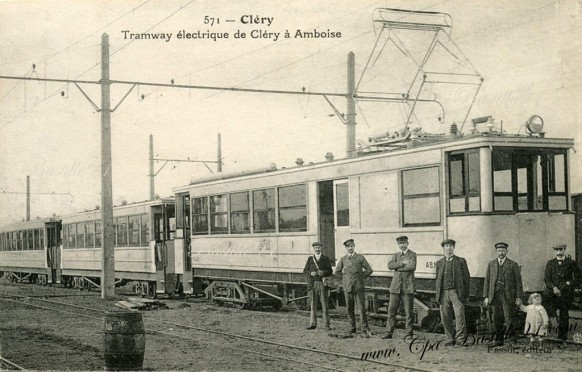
(317, 267)
(561, 277)
(503, 290)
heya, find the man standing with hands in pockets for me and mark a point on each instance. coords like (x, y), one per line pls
(452, 291)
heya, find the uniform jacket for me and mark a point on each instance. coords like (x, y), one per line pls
(460, 274)
(324, 264)
(557, 275)
(403, 280)
(353, 270)
(510, 276)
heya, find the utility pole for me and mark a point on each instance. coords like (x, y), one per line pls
(108, 257)
(351, 109)
(152, 175)
(219, 155)
(28, 198)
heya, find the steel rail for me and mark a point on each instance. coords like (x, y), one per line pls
(317, 351)
(153, 331)
(10, 364)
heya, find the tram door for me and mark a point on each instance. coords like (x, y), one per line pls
(164, 221)
(334, 216)
(53, 233)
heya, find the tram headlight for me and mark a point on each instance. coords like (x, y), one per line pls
(534, 124)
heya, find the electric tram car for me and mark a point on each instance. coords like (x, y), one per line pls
(30, 250)
(248, 235)
(68, 250)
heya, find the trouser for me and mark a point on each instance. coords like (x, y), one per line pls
(408, 300)
(319, 292)
(503, 317)
(357, 299)
(563, 317)
(451, 307)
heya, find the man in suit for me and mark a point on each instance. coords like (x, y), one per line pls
(316, 268)
(402, 287)
(452, 291)
(353, 268)
(503, 289)
(561, 277)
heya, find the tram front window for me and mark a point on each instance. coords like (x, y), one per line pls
(529, 180)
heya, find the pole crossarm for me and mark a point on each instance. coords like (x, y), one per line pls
(88, 99)
(182, 161)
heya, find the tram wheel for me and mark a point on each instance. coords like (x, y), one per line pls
(240, 305)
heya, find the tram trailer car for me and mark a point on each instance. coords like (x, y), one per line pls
(30, 251)
(249, 235)
(144, 248)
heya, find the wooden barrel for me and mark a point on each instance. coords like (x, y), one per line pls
(123, 341)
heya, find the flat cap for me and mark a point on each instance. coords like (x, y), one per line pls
(448, 241)
(349, 242)
(402, 238)
(501, 245)
(317, 243)
(559, 246)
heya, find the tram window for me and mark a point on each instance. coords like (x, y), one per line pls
(121, 227)
(529, 180)
(200, 216)
(239, 213)
(35, 239)
(144, 231)
(80, 234)
(421, 197)
(133, 228)
(292, 208)
(15, 240)
(464, 182)
(72, 236)
(2, 242)
(25, 240)
(89, 234)
(30, 235)
(41, 239)
(343, 204)
(264, 210)
(98, 236)
(218, 214)
(19, 240)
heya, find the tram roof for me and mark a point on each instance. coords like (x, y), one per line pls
(422, 143)
(27, 225)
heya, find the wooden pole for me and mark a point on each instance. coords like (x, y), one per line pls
(108, 258)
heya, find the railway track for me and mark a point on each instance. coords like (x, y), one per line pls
(245, 345)
(7, 365)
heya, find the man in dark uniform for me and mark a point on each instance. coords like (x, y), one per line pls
(402, 287)
(452, 291)
(353, 268)
(316, 268)
(503, 289)
(561, 277)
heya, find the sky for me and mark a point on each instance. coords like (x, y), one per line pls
(527, 52)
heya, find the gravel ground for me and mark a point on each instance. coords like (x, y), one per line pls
(38, 339)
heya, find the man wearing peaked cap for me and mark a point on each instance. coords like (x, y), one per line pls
(402, 286)
(503, 289)
(353, 268)
(562, 275)
(452, 292)
(316, 268)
